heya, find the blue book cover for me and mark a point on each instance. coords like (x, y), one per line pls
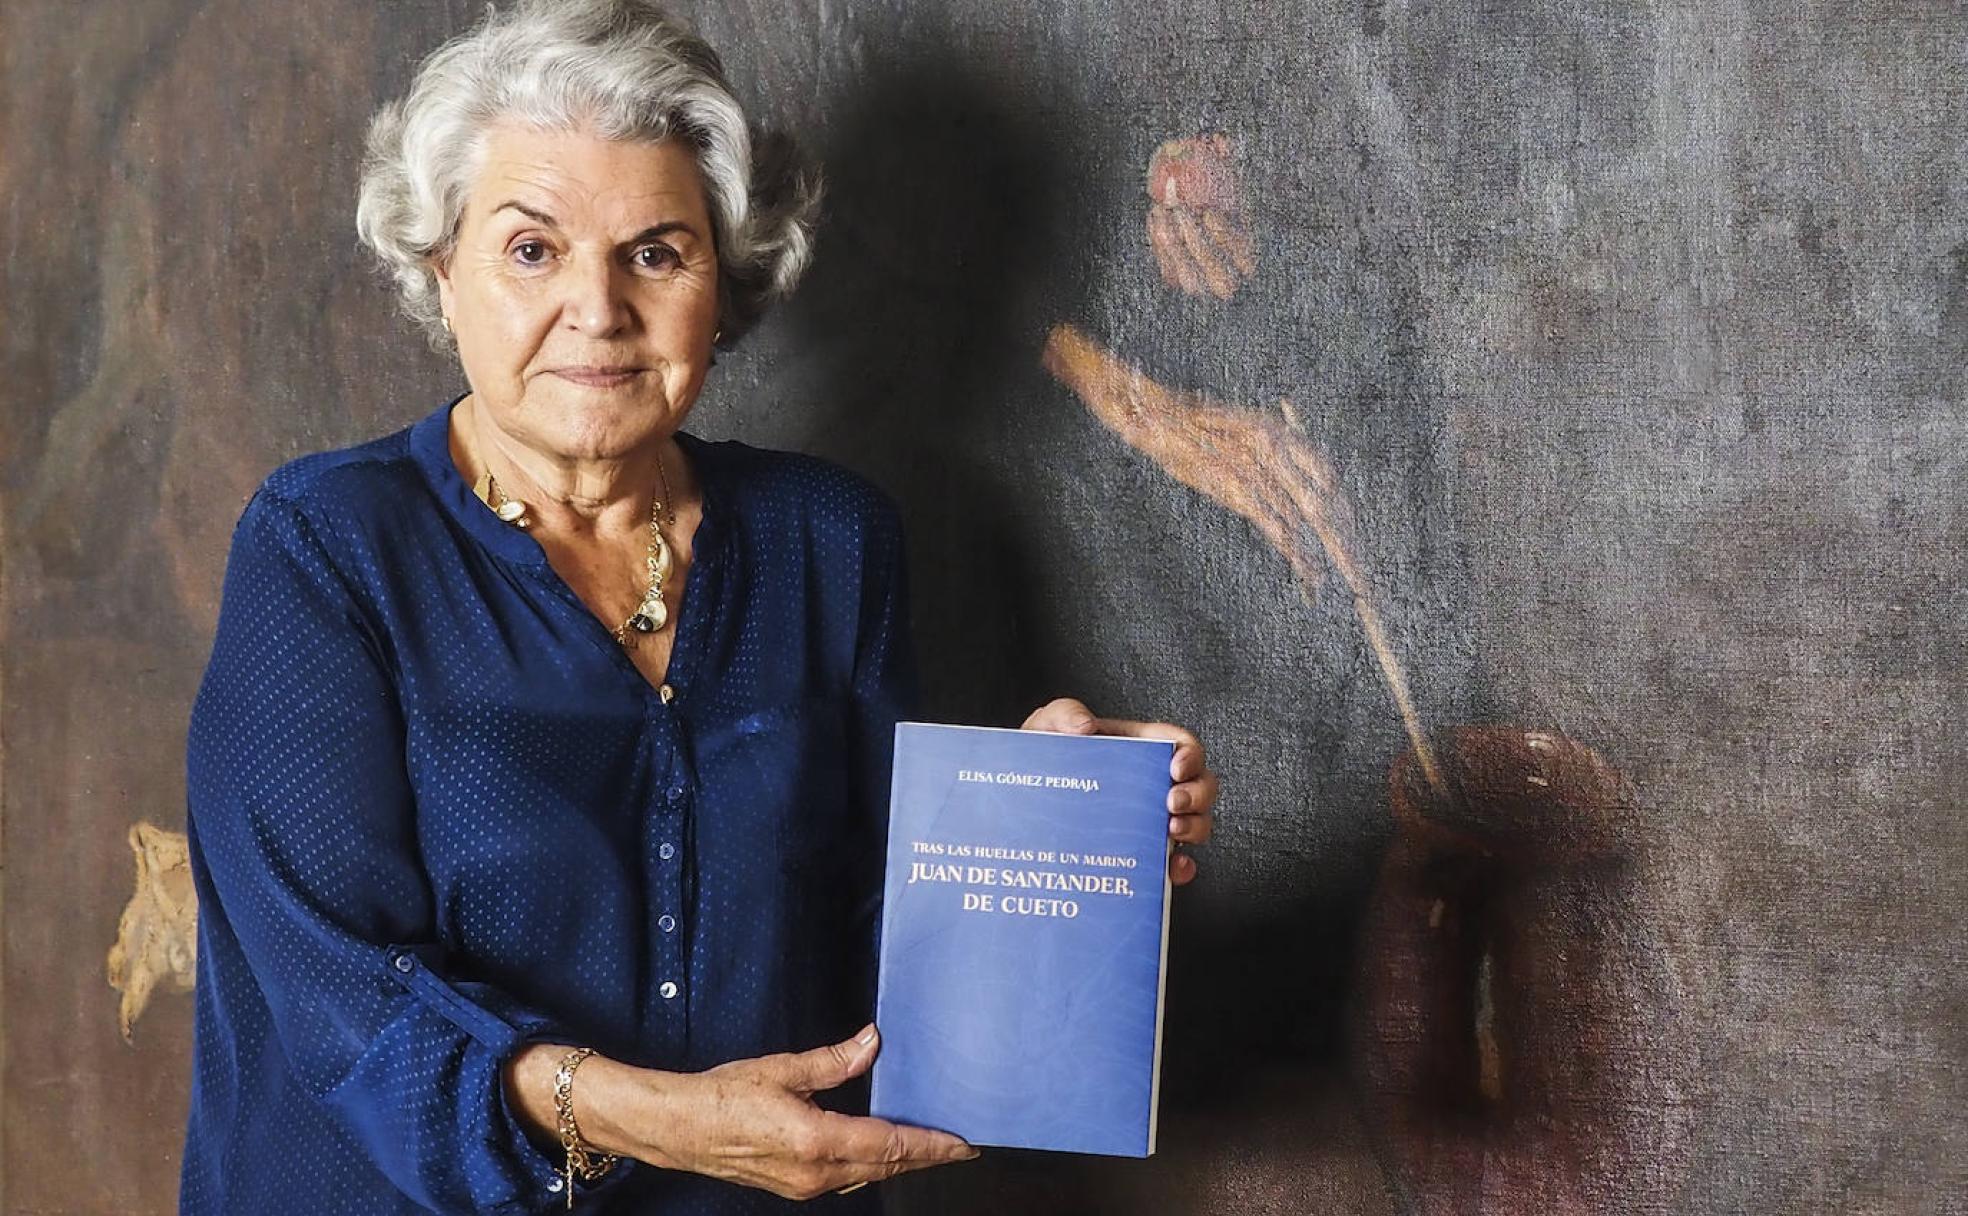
(1024, 937)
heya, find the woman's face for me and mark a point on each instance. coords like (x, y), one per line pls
(583, 290)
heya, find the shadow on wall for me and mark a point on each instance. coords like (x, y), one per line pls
(944, 211)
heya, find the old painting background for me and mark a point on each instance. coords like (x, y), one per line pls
(1634, 330)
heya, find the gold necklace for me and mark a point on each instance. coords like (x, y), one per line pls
(653, 612)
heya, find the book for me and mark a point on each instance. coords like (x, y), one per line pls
(1024, 937)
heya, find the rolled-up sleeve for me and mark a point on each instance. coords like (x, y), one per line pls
(314, 908)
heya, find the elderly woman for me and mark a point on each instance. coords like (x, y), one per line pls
(538, 778)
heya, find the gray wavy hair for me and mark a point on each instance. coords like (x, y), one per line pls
(628, 70)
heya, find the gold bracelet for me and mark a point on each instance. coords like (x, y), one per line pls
(584, 1160)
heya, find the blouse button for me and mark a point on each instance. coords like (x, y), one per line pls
(666, 692)
(666, 922)
(405, 964)
(668, 989)
(666, 850)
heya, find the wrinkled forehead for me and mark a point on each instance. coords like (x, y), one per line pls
(579, 182)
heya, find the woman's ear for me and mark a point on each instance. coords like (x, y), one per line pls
(441, 271)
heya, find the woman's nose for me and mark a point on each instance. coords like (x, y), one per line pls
(597, 300)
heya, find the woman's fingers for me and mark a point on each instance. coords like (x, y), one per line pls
(875, 1148)
(834, 1064)
(1195, 801)
(1072, 716)
(1182, 869)
(1191, 828)
(1064, 715)
(767, 1132)
(1186, 767)
(1194, 785)
(836, 1151)
(851, 1150)
(1193, 789)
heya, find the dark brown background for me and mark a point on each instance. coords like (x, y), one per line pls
(1636, 330)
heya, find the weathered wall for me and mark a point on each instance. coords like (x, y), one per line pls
(1624, 347)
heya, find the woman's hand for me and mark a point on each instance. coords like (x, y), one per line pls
(1192, 799)
(754, 1122)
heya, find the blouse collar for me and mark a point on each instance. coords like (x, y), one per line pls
(430, 446)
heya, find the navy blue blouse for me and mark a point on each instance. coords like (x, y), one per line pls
(436, 813)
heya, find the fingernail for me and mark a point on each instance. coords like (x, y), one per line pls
(866, 1036)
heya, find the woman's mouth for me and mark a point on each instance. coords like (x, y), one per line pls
(598, 377)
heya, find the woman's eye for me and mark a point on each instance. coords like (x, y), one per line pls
(530, 253)
(649, 257)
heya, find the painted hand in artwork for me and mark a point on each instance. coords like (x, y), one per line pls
(157, 937)
(1192, 794)
(1519, 1035)
(1196, 217)
(1258, 463)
